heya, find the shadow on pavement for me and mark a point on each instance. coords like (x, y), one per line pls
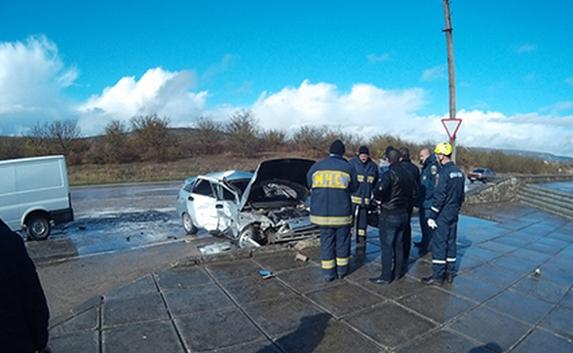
(490, 347)
(306, 338)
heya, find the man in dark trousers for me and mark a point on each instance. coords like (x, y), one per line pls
(415, 175)
(394, 193)
(443, 218)
(430, 168)
(23, 309)
(367, 175)
(332, 181)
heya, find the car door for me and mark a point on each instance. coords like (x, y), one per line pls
(227, 210)
(202, 203)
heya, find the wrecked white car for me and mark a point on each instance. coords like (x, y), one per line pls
(265, 207)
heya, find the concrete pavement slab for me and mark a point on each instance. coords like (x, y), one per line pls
(568, 299)
(436, 304)
(543, 341)
(216, 329)
(234, 270)
(489, 326)
(520, 306)
(280, 262)
(557, 274)
(321, 335)
(86, 321)
(306, 279)
(472, 289)
(148, 337)
(394, 290)
(85, 342)
(144, 307)
(498, 276)
(280, 316)
(443, 342)
(560, 320)
(344, 298)
(265, 346)
(541, 288)
(516, 264)
(196, 299)
(182, 277)
(255, 289)
(390, 324)
(138, 287)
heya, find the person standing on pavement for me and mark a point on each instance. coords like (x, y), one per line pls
(443, 218)
(415, 175)
(367, 175)
(24, 312)
(332, 181)
(430, 168)
(394, 193)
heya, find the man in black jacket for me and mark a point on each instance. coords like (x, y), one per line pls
(415, 175)
(394, 192)
(24, 312)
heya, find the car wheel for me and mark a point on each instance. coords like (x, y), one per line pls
(247, 238)
(188, 224)
(38, 227)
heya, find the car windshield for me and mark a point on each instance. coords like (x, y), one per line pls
(239, 185)
(478, 170)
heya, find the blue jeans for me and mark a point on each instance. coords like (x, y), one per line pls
(392, 228)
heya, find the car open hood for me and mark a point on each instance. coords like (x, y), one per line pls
(278, 182)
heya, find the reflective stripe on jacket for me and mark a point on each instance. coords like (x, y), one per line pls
(367, 176)
(332, 180)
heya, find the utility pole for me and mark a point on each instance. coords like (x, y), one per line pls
(451, 73)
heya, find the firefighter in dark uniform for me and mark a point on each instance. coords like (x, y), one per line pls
(366, 175)
(430, 168)
(24, 312)
(443, 218)
(332, 181)
(415, 175)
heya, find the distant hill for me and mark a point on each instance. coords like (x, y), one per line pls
(549, 157)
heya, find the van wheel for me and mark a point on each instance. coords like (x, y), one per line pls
(38, 227)
(188, 224)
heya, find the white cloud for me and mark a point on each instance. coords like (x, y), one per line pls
(32, 79)
(526, 48)
(434, 73)
(157, 91)
(378, 58)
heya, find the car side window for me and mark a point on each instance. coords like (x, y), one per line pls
(226, 195)
(203, 187)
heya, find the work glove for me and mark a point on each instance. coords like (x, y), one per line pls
(432, 224)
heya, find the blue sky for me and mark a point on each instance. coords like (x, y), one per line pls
(513, 57)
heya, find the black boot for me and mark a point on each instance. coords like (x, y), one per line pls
(450, 278)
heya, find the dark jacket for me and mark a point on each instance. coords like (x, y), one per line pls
(415, 175)
(395, 190)
(428, 179)
(449, 194)
(332, 181)
(23, 309)
(366, 175)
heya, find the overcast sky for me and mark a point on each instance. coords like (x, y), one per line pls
(366, 66)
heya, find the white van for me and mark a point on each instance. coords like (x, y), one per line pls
(34, 194)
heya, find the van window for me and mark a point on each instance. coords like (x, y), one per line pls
(38, 176)
(8, 184)
(203, 187)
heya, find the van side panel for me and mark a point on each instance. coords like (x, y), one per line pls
(38, 185)
(9, 208)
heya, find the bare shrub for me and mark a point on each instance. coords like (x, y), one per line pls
(57, 137)
(152, 136)
(242, 130)
(210, 137)
(274, 140)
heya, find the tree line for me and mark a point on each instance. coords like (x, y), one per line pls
(149, 138)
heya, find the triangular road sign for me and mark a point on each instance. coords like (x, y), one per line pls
(452, 126)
